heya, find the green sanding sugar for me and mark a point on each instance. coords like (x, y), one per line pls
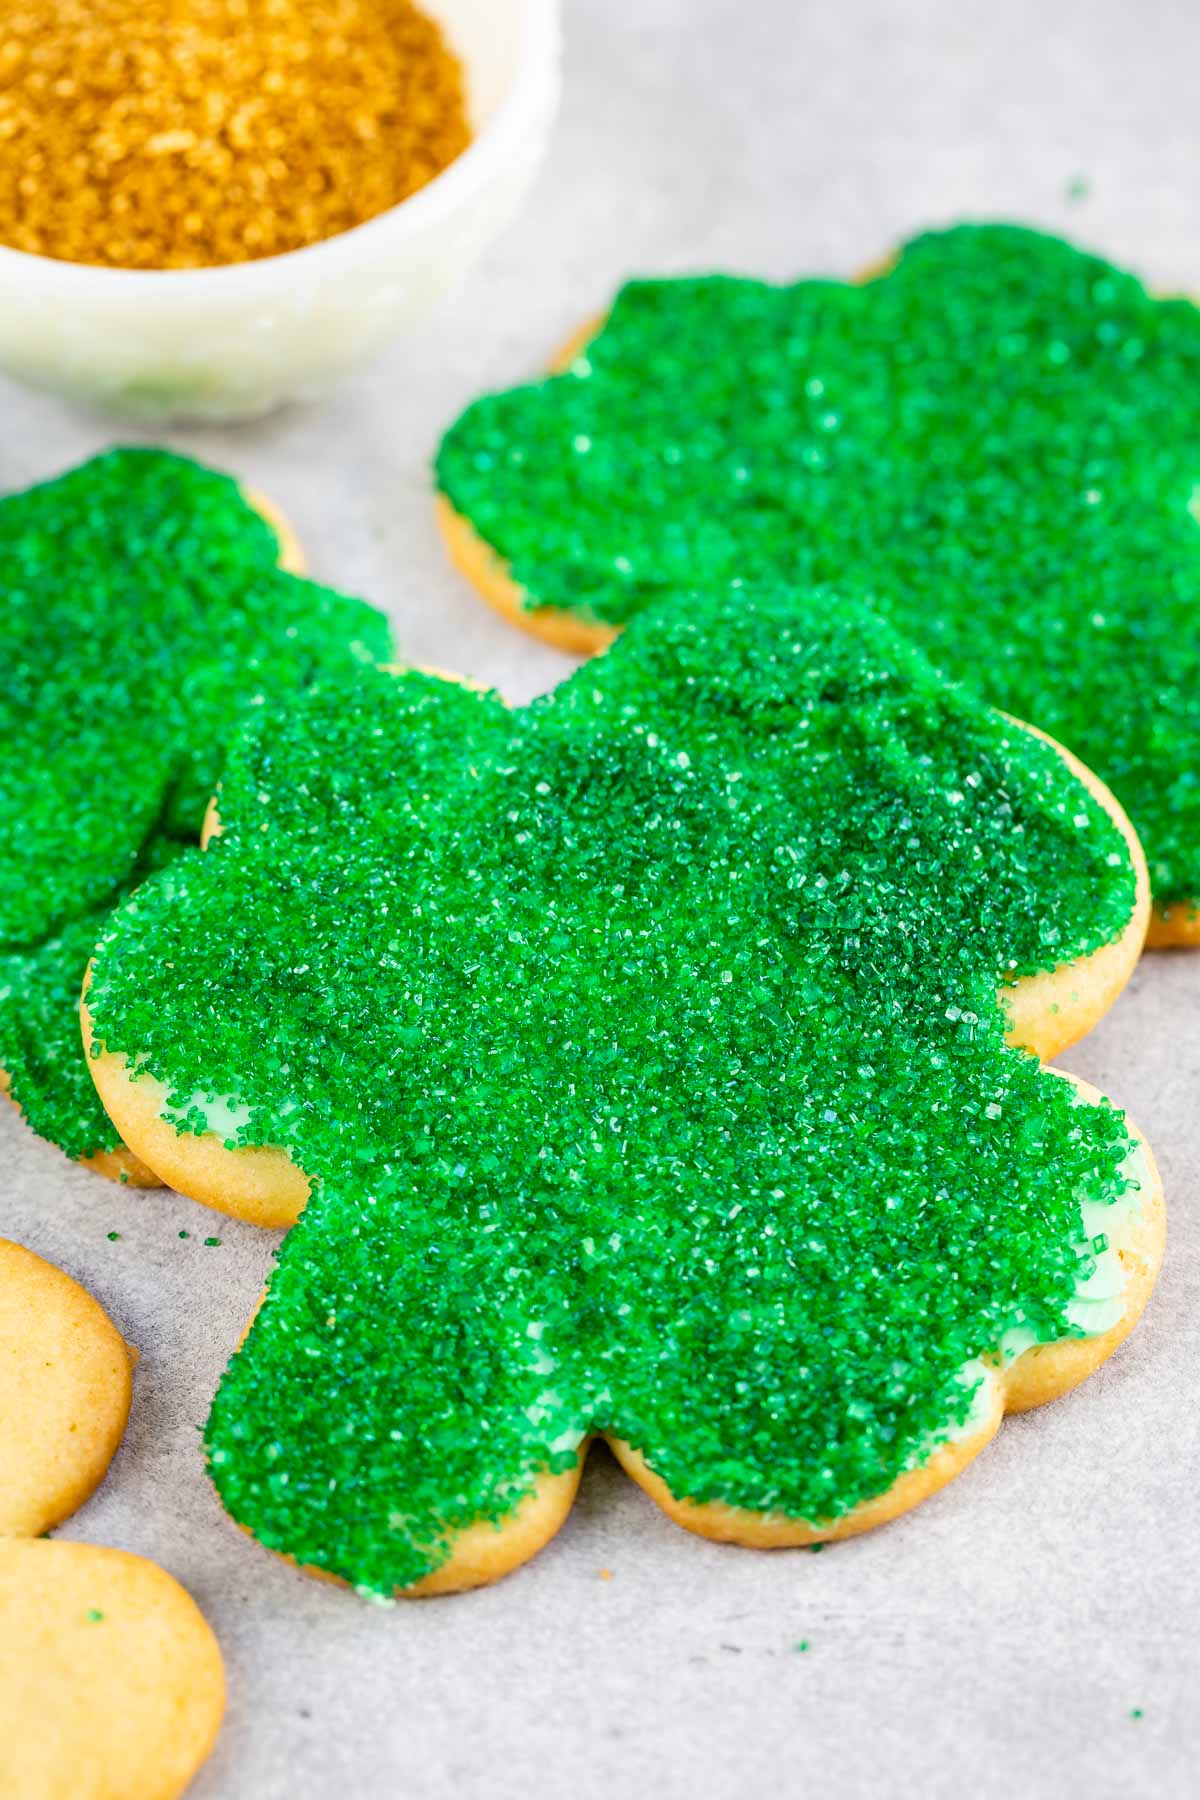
(647, 1043)
(995, 445)
(144, 613)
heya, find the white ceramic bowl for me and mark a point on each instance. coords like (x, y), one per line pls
(234, 342)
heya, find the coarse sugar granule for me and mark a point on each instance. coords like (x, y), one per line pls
(178, 134)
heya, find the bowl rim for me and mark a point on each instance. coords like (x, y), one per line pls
(534, 83)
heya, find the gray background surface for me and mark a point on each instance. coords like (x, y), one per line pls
(997, 1641)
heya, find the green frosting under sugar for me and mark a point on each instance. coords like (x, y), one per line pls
(647, 1045)
(995, 444)
(144, 612)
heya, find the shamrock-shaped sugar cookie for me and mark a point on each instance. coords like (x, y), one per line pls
(994, 444)
(649, 1049)
(110, 1680)
(145, 610)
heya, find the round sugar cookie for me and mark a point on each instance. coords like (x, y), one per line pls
(111, 1682)
(65, 1390)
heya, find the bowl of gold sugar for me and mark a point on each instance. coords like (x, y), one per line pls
(209, 207)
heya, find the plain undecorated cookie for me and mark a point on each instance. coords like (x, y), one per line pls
(65, 1390)
(111, 1683)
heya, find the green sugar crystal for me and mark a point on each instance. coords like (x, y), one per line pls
(646, 1042)
(995, 446)
(144, 614)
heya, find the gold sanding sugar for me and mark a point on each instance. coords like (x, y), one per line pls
(169, 134)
